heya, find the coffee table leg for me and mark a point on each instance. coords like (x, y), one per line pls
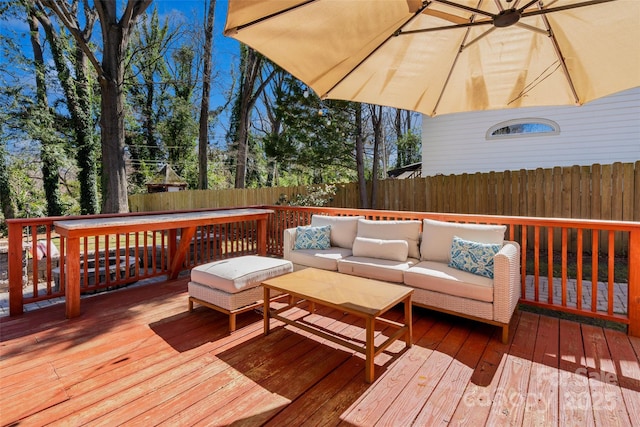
(369, 351)
(408, 321)
(267, 307)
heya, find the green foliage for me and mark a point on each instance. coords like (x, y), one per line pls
(148, 96)
(313, 138)
(320, 195)
(409, 149)
(179, 133)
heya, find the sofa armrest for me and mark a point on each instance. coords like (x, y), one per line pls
(288, 242)
(506, 281)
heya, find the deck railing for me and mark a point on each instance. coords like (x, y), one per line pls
(37, 256)
(567, 265)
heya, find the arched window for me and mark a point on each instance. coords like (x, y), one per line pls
(523, 127)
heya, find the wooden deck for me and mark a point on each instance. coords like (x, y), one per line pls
(137, 357)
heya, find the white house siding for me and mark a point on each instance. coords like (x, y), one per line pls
(603, 131)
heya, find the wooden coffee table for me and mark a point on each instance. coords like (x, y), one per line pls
(365, 298)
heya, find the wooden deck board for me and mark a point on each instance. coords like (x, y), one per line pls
(138, 357)
(511, 395)
(541, 408)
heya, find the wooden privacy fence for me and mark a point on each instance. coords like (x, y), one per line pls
(603, 192)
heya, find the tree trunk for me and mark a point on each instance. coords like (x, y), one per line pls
(115, 38)
(87, 157)
(376, 121)
(362, 182)
(114, 176)
(400, 158)
(251, 66)
(203, 136)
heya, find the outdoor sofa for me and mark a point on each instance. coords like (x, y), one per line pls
(467, 270)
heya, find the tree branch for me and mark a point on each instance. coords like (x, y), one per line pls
(59, 8)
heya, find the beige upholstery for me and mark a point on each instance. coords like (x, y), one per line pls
(438, 277)
(394, 250)
(232, 286)
(393, 230)
(436, 285)
(343, 228)
(236, 274)
(326, 259)
(437, 237)
(375, 268)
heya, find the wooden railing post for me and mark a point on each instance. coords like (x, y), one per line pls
(634, 283)
(15, 268)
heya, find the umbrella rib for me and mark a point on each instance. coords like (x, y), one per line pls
(544, 11)
(490, 22)
(563, 64)
(235, 30)
(455, 60)
(394, 34)
(467, 8)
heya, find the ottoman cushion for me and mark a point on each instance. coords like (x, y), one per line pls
(236, 274)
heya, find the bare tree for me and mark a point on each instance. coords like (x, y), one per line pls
(376, 123)
(116, 32)
(362, 181)
(203, 136)
(251, 86)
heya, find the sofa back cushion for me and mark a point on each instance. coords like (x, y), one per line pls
(437, 237)
(343, 228)
(408, 231)
(394, 250)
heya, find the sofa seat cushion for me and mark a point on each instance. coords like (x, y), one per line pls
(375, 268)
(439, 277)
(325, 259)
(343, 228)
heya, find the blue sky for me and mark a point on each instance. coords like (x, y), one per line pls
(226, 50)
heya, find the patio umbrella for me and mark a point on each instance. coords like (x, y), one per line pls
(444, 56)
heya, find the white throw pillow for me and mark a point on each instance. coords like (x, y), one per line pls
(393, 230)
(394, 250)
(343, 228)
(437, 237)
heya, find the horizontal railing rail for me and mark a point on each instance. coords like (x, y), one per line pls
(563, 264)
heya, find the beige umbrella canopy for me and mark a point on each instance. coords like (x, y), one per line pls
(446, 56)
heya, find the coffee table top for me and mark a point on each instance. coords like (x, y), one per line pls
(353, 294)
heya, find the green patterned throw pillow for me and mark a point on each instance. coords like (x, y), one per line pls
(473, 257)
(313, 237)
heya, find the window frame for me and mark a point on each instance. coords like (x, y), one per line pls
(527, 120)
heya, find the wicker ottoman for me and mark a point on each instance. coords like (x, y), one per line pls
(232, 286)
